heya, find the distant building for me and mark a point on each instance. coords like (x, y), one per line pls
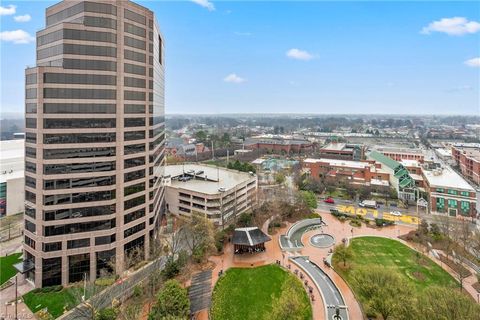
(398, 154)
(445, 155)
(12, 176)
(279, 144)
(450, 193)
(345, 151)
(467, 157)
(219, 194)
(356, 173)
(400, 178)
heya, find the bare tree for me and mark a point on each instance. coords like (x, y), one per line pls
(134, 256)
(464, 233)
(131, 311)
(89, 300)
(447, 230)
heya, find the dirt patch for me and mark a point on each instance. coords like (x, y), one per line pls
(458, 268)
(418, 275)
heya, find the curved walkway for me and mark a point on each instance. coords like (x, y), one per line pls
(331, 295)
(292, 240)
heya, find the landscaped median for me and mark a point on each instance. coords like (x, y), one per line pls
(393, 281)
(259, 293)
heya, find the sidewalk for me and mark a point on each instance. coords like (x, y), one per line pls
(8, 295)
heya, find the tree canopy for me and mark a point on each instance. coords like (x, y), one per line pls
(172, 302)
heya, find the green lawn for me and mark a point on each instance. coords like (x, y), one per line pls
(53, 301)
(245, 294)
(420, 270)
(6, 266)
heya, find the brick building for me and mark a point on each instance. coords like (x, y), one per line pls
(467, 157)
(450, 193)
(356, 173)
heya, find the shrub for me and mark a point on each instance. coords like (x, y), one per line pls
(106, 314)
(383, 222)
(171, 269)
(355, 223)
(219, 240)
(137, 291)
(105, 282)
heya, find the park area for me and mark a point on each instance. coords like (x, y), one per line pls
(7, 266)
(377, 251)
(390, 279)
(255, 293)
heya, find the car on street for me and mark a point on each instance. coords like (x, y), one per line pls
(329, 200)
(396, 213)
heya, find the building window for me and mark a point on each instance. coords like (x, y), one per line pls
(52, 246)
(465, 205)
(452, 203)
(465, 193)
(134, 229)
(440, 203)
(134, 202)
(78, 267)
(134, 215)
(105, 240)
(105, 263)
(51, 272)
(78, 243)
(139, 187)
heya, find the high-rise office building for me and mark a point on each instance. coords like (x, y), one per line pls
(94, 141)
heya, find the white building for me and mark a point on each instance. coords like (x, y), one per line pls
(219, 194)
(12, 176)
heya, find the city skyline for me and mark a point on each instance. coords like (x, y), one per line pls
(309, 57)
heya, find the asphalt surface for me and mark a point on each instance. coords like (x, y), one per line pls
(330, 292)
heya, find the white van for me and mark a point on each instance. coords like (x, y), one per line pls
(368, 204)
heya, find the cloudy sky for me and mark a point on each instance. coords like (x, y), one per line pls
(295, 57)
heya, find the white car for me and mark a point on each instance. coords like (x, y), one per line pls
(396, 213)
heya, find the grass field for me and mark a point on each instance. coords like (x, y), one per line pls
(53, 301)
(418, 269)
(6, 266)
(243, 294)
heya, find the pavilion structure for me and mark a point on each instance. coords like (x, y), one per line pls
(249, 240)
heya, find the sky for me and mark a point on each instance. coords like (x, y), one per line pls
(378, 57)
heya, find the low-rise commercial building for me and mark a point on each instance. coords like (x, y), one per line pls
(12, 176)
(345, 151)
(450, 193)
(356, 173)
(279, 144)
(400, 178)
(219, 194)
(467, 158)
(398, 154)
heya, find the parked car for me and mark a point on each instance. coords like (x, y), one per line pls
(396, 213)
(329, 200)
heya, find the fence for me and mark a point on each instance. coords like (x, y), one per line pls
(10, 232)
(119, 291)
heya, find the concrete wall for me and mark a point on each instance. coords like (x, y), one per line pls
(15, 195)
